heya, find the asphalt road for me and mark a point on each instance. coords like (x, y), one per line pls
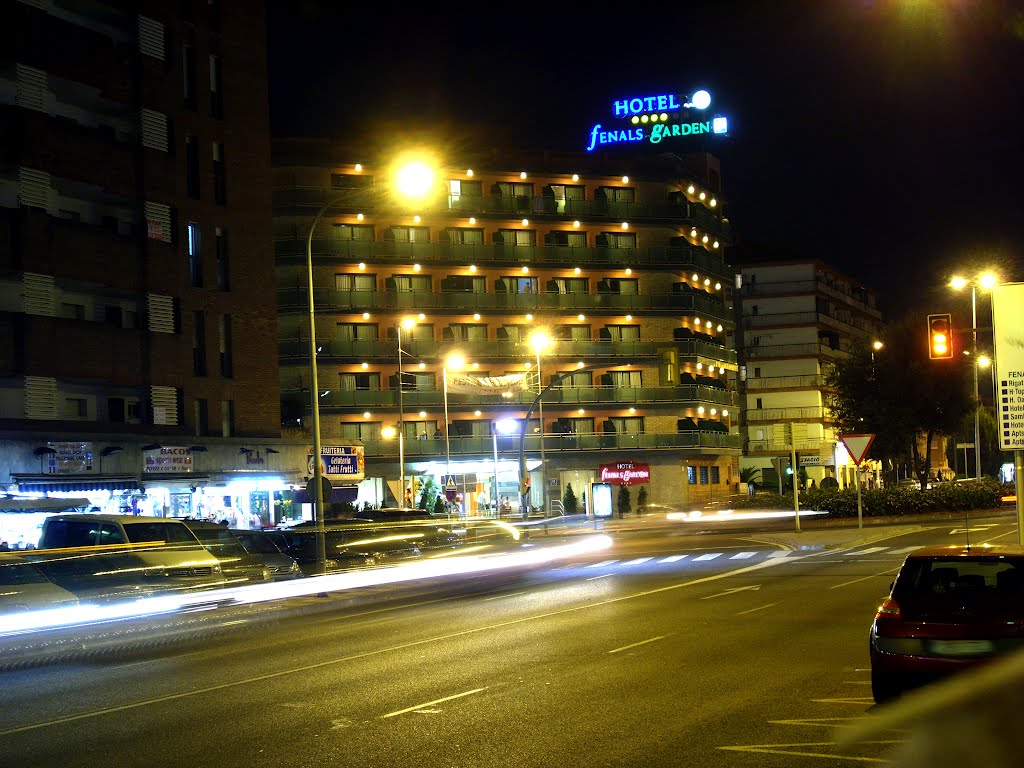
(671, 648)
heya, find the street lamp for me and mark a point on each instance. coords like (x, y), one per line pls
(408, 323)
(984, 281)
(456, 362)
(540, 341)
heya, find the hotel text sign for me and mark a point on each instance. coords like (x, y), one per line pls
(1007, 325)
(654, 119)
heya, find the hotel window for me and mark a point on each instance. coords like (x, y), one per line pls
(691, 475)
(617, 239)
(623, 332)
(466, 332)
(226, 366)
(364, 382)
(216, 84)
(227, 418)
(581, 379)
(410, 234)
(223, 265)
(516, 285)
(421, 382)
(572, 332)
(360, 430)
(355, 282)
(195, 254)
(420, 430)
(198, 343)
(406, 283)
(560, 237)
(192, 167)
(513, 333)
(360, 232)
(188, 70)
(631, 425)
(566, 195)
(201, 415)
(716, 474)
(356, 332)
(220, 182)
(457, 188)
(465, 236)
(632, 379)
(76, 408)
(521, 193)
(703, 475)
(578, 426)
(569, 285)
(518, 237)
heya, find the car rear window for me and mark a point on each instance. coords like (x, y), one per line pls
(983, 577)
(169, 532)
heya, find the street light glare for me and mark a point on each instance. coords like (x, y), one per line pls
(415, 179)
(958, 282)
(987, 280)
(984, 361)
(455, 362)
(878, 345)
(539, 341)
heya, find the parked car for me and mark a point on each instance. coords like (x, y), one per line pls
(949, 608)
(24, 587)
(100, 556)
(280, 564)
(237, 565)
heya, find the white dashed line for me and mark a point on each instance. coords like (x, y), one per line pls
(742, 555)
(672, 559)
(868, 551)
(709, 556)
(638, 560)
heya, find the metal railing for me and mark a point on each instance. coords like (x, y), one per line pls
(787, 414)
(784, 382)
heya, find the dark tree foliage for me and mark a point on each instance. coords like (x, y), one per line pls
(570, 505)
(899, 395)
(624, 504)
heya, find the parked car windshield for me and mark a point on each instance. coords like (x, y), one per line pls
(141, 532)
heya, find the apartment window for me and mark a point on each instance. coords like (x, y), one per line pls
(623, 332)
(226, 366)
(757, 373)
(227, 418)
(195, 255)
(459, 188)
(223, 265)
(192, 167)
(404, 283)
(569, 285)
(220, 182)
(188, 69)
(716, 474)
(632, 379)
(410, 234)
(691, 475)
(572, 332)
(631, 425)
(201, 415)
(122, 410)
(467, 332)
(113, 315)
(199, 343)
(364, 382)
(360, 232)
(519, 238)
(759, 405)
(703, 475)
(352, 282)
(216, 96)
(360, 430)
(72, 311)
(75, 408)
(753, 309)
(356, 332)
(465, 236)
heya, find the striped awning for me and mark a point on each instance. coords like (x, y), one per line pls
(77, 485)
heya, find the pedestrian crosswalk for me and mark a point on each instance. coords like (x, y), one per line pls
(704, 557)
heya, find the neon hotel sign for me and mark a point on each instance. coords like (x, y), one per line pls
(654, 119)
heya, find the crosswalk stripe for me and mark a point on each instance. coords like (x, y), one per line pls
(780, 553)
(638, 560)
(905, 550)
(602, 563)
(868, 551)
(709, 556)
(742, 555)
(672, 559)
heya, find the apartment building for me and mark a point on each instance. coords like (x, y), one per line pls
(598, 279)
(136, 292)
(795, 318)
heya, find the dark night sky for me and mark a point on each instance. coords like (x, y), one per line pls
(883, 136)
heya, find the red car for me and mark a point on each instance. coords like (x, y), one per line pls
(949, 608)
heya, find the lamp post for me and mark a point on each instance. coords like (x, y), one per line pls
(985, 281)
(540, 341)
(408, 323)
(455, 361)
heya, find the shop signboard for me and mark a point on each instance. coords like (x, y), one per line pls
(625, 473)
(601, 498)
(168, 459)
(341, 463)
(69, 458)
(1007, 321)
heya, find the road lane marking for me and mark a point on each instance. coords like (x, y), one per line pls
(638, 560)
(709, 556)
(672, 559)
(751, 610)
(733, 591)
(783, 553)
(501, 597)
(431, 703)
(891, 569)
(602, 576)
(642, 642)
(783, 749)
(602, 563)
(742, 555)
(868, 551)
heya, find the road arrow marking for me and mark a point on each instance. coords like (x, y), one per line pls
(751, 588)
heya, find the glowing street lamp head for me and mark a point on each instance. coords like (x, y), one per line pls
(987, 280)
(958, 282)
(877, 345)
(539, 340)
(414, 179)
(984, 361)
(455, 362)
(388, 433)
(507, 426)
(408, 323)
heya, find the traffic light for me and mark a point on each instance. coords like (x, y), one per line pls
(940, 336)
(524, 486)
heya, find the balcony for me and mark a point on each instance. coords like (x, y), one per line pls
(812, 445)
(853, 298)
(813, 381)
(809, 413)
(771, 351)
(679, 397)
(338, 350)
(508, 446)
(293, 301)
(679, 211)
(777, 319)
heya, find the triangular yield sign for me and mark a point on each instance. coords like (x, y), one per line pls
(857, 446)
(450, 483)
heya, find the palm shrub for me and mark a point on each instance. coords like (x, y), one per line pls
(570, 506)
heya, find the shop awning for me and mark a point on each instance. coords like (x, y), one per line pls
(76, 484)
(8, 504)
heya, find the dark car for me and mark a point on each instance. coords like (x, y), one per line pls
(949, 608)
(237, 565)
(280, 564)
(300, 545)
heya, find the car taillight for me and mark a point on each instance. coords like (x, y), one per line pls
(889, 608)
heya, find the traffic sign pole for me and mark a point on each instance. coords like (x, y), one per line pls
(857, 446)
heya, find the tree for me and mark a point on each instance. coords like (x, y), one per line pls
(428, 490)
(570, 505)
(623, 504)
(440, 508)
(899, 395)
(641, 501)
(750, 475)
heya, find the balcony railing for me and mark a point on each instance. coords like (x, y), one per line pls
(787, 414)
(293, 249)
(369, 200)
(807, 318)
(792, 350)
(509, 445)
(784, 382)
(772, 446)
(429, 349)
(293, 300)
(574, 396)
(797, 287)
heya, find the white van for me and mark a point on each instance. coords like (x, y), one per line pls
(109, 556)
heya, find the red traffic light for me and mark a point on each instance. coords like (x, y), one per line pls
(940, 336)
